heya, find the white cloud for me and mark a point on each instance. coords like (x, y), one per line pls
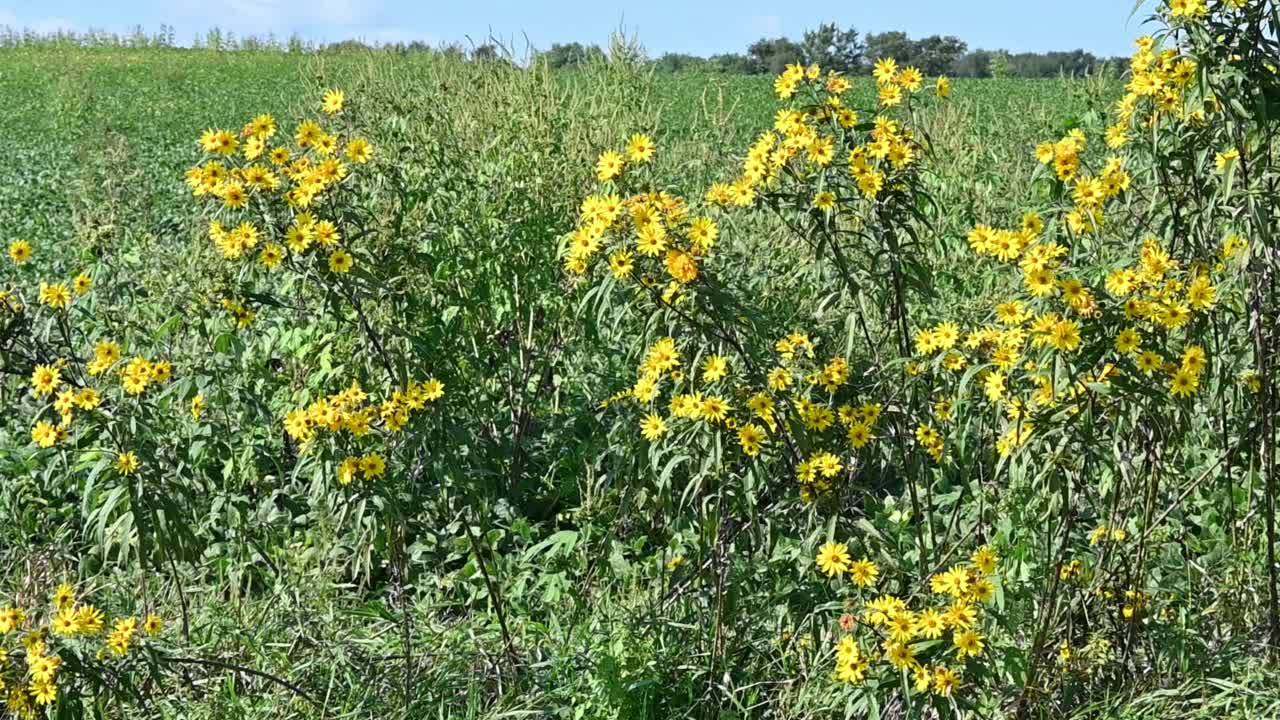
(765, 25)
(251, 10)
(321, 20)
(341, 12)
(276, 13)
(44, 24)
(50, 24)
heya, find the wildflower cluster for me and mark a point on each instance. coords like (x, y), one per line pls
(348, 417)
(1047, 347)
(1107, 317)
(242, 314)
(800, 403)
(44, 637)
(820, 155)
(75, 387)
(897, 640)
(270, 196)
(701, 396)
(1158, 93)
(57, 295)
(819, 160)
(793, 352)
(652, 229)
(1091, 193)
(285, 207)
(647, 236)
(79, 392)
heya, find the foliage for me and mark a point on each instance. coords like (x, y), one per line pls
(773, 55)
(830, 47)
(568, 55)
(463, 389)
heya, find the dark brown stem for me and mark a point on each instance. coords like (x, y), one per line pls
(247, 671)
(495, 595)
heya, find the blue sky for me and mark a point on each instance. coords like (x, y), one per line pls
(701, 27)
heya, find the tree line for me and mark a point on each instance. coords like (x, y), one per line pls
(842, 49)
(846, 50)
(166, 37)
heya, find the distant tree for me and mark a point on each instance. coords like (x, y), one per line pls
(679, 62)
(571, 55)
(296, 43)
(347, 46)
(453, 51)
(893, 44)
(1000, 65)
(487, 52)
(258, 43)
(772, 56)
(976, 64)
(831, 47)
(937, 55)
(1052, 64)
(734, 64)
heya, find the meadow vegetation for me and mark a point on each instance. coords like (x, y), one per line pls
(359, 385)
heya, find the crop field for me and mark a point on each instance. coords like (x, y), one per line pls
(377, 385)
(72, 109)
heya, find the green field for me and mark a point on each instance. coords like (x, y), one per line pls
(72, 108)
(517, 558)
